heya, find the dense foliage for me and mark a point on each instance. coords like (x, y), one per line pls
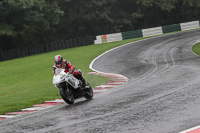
(33, 22)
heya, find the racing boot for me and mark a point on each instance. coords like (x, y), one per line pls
(78, 74)
(84, 82)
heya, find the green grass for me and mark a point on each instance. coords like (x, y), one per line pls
(28, 80)
(196, 48)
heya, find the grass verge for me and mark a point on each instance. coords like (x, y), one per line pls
(196, 48)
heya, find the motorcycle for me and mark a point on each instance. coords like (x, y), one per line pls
(71, 88)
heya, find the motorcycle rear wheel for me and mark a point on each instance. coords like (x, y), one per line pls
(89, 91)
(67, 96)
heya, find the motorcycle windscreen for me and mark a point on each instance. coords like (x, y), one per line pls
(57, 71)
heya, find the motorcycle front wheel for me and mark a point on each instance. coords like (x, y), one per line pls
(67, 95)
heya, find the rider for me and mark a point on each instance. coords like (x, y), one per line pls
(66, 64)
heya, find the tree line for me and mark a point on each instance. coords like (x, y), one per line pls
(34, 22)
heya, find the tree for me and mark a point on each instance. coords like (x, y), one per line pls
(30, 22)
(27, 22)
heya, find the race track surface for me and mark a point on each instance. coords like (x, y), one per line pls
(162, 95)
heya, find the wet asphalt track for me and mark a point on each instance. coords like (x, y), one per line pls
(162, 95)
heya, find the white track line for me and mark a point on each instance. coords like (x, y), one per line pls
(91, 64)
(193, 45)
(191, 130)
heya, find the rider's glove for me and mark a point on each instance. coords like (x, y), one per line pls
(54, 68)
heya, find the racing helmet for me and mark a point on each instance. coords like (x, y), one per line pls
(58, 60)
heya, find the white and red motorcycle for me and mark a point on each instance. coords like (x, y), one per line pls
(71, 88)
